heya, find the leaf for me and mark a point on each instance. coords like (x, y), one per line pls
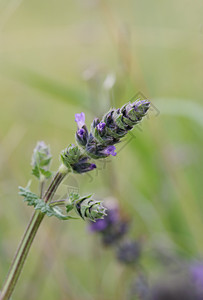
(36, 172)
(47, 174)
(69, 207)
(38, 204)
(45, 162)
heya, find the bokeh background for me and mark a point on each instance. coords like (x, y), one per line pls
(58, 58)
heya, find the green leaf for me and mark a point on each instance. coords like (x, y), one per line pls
(45, 162)
(38, 204)
(69, 207)
(47, 174)
(36, 172)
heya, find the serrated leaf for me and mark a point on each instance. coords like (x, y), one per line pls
(38, 204)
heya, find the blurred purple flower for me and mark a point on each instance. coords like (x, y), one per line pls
(112, 228)
(111, 218)
(99, 225)
(128, 252)
(196, 271)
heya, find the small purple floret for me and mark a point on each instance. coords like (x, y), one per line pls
(92, 166)
(101, 126)
(81, 132)
(110, 150)
(80, 119)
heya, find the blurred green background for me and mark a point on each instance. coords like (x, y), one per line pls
(58, 58)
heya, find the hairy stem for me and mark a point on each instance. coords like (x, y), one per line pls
(57, 202)
(28, 237)
(41, 188)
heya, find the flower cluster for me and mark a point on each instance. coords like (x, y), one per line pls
(105, 133)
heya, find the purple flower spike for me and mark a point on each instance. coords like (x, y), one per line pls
(101, 126)
(80, 119)
(110, 150)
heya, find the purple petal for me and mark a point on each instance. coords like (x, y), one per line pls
(110, 150)
(80, 119)
(92, 167)
(101, 126)
(81, 132)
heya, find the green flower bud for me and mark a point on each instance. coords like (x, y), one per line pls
(76, 161)
(41, 159)
(87, 208)
(70, 155)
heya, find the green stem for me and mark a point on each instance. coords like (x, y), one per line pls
(29, 235)
(57, 202)
(41, 189)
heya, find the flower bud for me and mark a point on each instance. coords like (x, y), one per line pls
(76, 161)
(97, 151)
(82, 136)
(70, 155)
(83, 166)
(41, 155)
(87, 208)
(135, 111)
(41, 159)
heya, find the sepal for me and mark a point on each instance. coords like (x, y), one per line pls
(76, 161)
(70, 155)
